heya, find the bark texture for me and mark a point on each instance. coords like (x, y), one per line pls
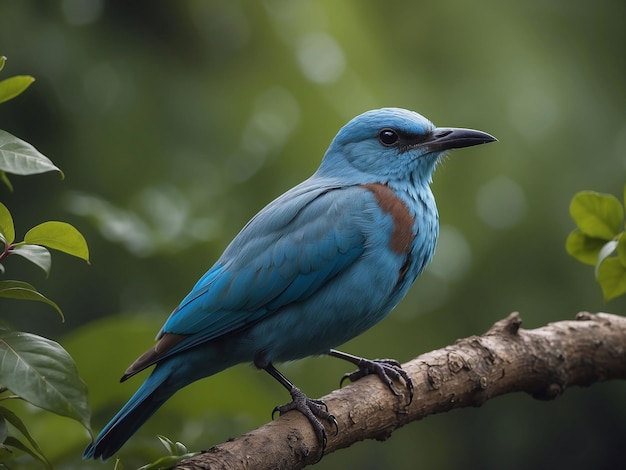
(542, 362)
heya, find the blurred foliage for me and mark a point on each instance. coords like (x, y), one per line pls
(176, 122)
(600, 239)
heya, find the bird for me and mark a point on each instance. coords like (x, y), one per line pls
(316, 267)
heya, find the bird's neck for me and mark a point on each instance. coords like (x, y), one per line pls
(416, 194)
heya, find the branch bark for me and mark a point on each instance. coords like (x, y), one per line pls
(542, 362)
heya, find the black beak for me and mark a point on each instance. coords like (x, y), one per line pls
(445, 138)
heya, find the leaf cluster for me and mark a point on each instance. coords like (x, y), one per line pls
(32, 368)
(177, 451)
(600, 239)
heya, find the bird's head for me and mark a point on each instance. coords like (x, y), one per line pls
(393, 144)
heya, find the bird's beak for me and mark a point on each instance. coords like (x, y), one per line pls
(446, 138)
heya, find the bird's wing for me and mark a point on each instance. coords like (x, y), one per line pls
(283, 255)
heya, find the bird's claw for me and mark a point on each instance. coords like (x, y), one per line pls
(313, 410)
(387, 370)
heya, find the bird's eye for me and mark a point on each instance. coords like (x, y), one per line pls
(388, 137)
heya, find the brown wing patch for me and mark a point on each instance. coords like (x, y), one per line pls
(402, 236)
(151, 356)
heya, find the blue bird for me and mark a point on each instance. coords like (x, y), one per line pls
(316, 267)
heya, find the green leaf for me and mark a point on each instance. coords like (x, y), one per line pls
(6, 454)
(23, 291)
(59, 236)
(21, 158)
(584, 248)
(3, 60)
(21, 427)
(4, 430)
(612, 278)
(168, 444)
(174, 448)
(17, 444)
(43, 373)
(621, 248)
(7, 229)
(181, 449)
(35, 254)
(5, 179)
(13, 86)
(607, 250)
(597, 215)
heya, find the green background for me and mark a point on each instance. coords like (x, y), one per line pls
(175, 122)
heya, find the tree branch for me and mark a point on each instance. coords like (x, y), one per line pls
(542, 362)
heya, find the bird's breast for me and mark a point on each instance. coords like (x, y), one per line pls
(403, 232)
(403, 222)
(415, 227)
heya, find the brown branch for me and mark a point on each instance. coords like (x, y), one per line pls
(542, 362)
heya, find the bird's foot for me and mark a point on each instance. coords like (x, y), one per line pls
(314, 410)
(388, 370)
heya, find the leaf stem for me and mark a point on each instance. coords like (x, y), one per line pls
(11, 397)
(5, 251)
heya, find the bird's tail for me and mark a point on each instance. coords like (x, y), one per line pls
(150, 396)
